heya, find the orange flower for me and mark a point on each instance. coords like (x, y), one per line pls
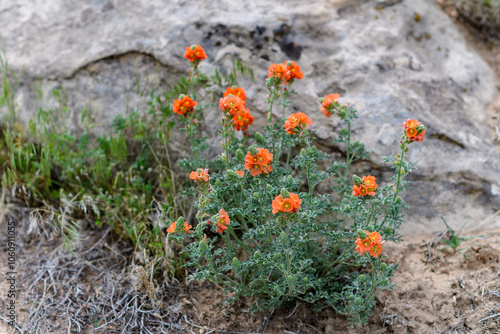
(415, 131)
(223, 221)
(241, 173)
(236, 91)
(261, 162)
(290, 204)
(294, 69)
(184, 106)
(231, 104)
(195, 53)
(187, 228)
(329, 101)
(363, 246)
(371, 244)
(368, 187)
(200, 175)
(296, 122)
(375, 237)
(279, 71)
(241, 120)
(376, 250)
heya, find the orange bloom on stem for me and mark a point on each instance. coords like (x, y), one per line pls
(195, 53)
(187, 228)
(236, 91)
(241, 120)
(184, 105)
(290, 204)
(368, 187)
(279, 71)
(415, 131)
(371, 244)
(376, 250)
(241, 173)
(231, 104)
(297, 122)
(200, 175)
(261, 162)
(363, 246)
(223, 221)
(295, 72)
(329, 101)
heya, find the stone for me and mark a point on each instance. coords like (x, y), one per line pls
(391, 60)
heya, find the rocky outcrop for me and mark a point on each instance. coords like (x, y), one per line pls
(391, 60)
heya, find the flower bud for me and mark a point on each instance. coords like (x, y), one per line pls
(236, 262)
(342, 114)
(357, 180)
(321, 99)
(420, 128)
(224, 157)
(362, 234)
(253, 150)
(269, 187)
(357, 301)
(283, 236)
(290, 279)
(289, 179)
(259, 138)
(257, 255)
(180, 220)
(181, 96)
(385, 282)
(277, 257)
(399, 200)
(193, 47)
(284, 193)
(240, 155)
(314, 149)
(383, 266)
(203, 247)
(362, 278)
(305, 279)
(289, 63)
(303, 152)
(256, 195)
(388, 230)
(231, 174)
(218, 183)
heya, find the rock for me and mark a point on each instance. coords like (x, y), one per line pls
(391, 60)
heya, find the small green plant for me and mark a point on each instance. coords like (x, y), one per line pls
(454, 240)
(264, 230)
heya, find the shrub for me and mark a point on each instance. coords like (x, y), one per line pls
(263, 229)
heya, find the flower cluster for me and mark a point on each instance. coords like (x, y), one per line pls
(284, 73)
(223, 221)
(371, 243)
(200, 176)
(195, 53)
(241, 120)
(235, 109)
(297, 122)
(364, 186)
(236, 91)
(172, 228)
(259, 160)
(329, 103)
(414, 130)
(184, 105)
(284, 203)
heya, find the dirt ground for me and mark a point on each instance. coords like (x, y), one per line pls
(102, 290)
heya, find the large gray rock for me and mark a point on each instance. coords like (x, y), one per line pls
(391, 60)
